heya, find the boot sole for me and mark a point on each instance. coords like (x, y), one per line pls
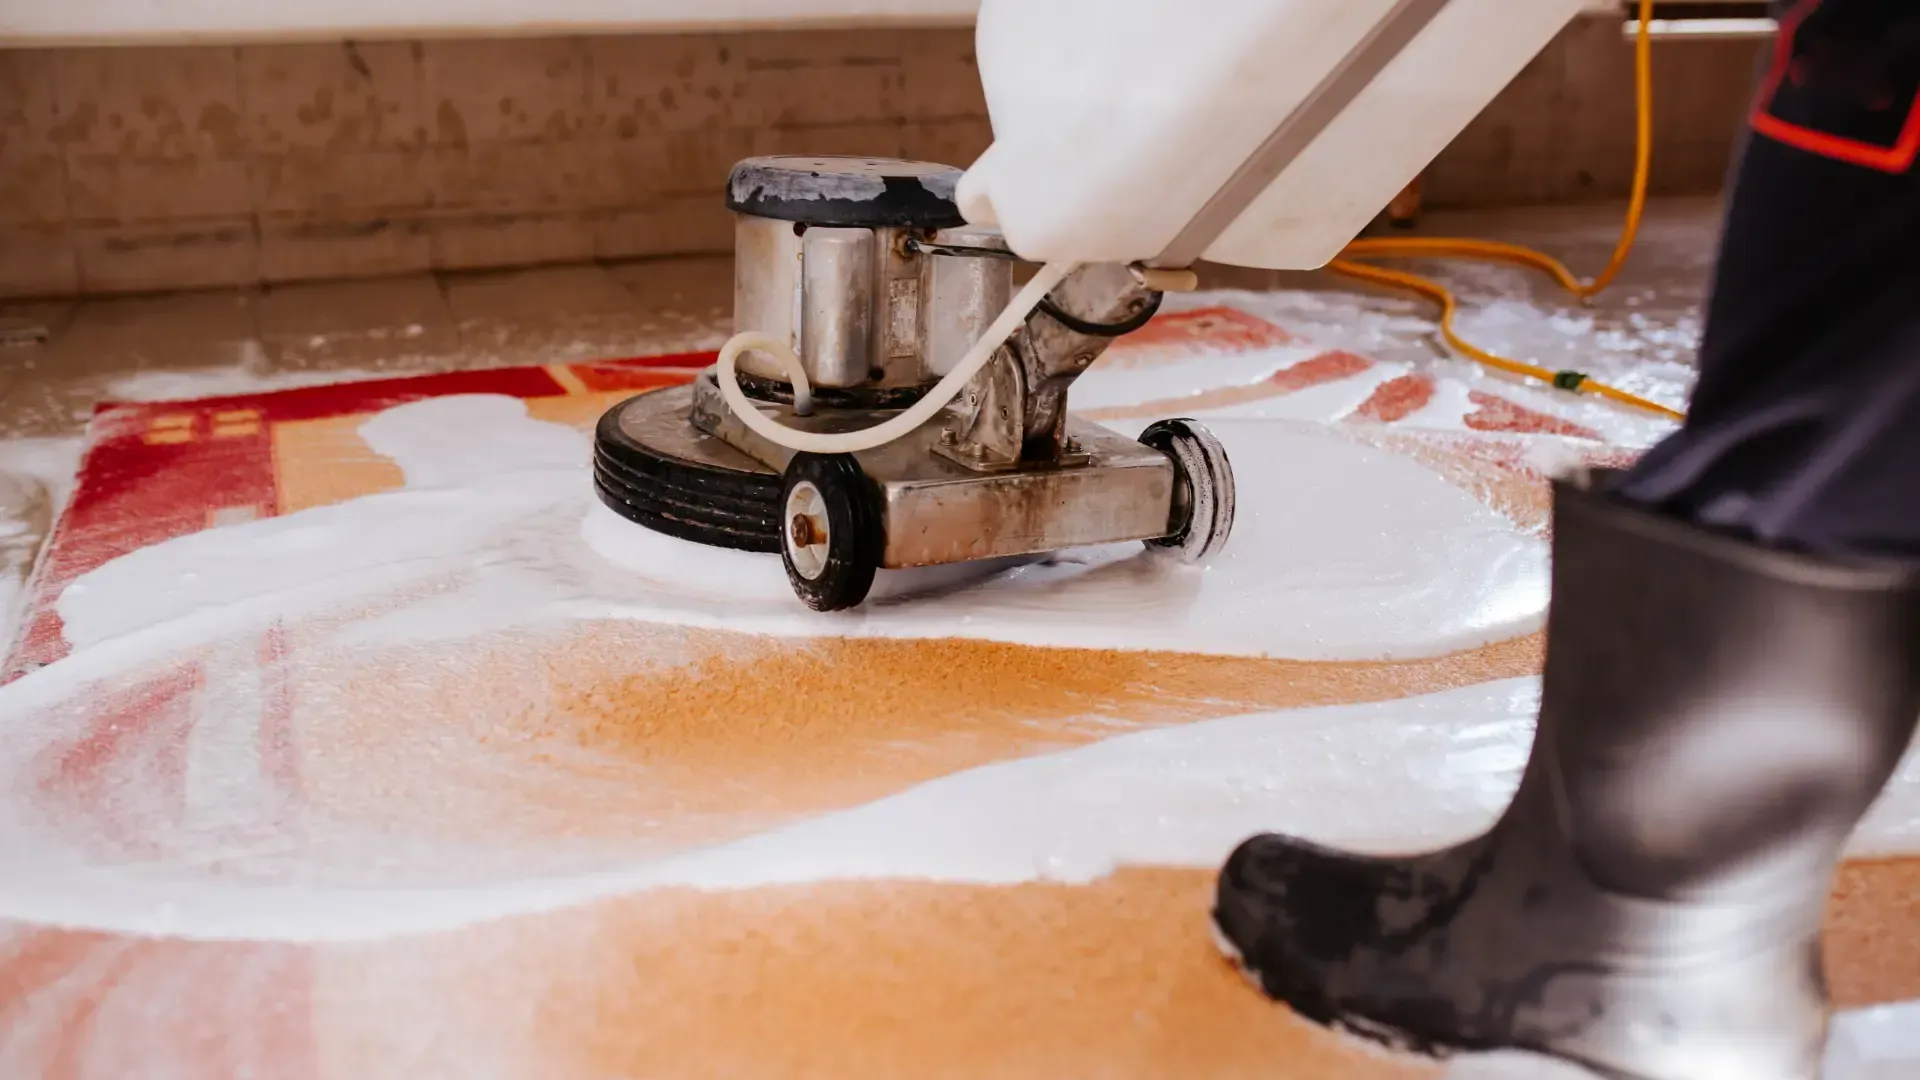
(1376, 1037)
(1232, 952)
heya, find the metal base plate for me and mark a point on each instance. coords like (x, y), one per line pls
(935, 511)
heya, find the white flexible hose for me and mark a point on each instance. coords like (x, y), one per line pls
(880, 434)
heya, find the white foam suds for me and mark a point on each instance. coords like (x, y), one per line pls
(1325, 401)
(1647, 354)
(1395, 775)
(1114, 382)
(52, 463)
(13, 598)
(1385, 776)
(1340, 552)
(1343, 551)
(36, 479)
(711, 579)
(1878, 1043)
(1452, 400)
(1180, 797)
(1512, 1065)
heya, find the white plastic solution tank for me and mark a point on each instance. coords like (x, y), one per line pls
(1117, 122)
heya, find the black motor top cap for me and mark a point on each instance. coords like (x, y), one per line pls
(854, 192)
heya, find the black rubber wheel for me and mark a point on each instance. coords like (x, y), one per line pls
(828, 494)
(677, 495)
(1202, 512)
(858, 192)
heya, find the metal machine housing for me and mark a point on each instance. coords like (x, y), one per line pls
(864, 268)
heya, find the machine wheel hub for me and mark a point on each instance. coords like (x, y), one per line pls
(807, 534)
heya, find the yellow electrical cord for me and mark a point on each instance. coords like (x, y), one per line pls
(1496, 251)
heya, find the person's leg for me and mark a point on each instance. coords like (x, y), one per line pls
(1733, 664)
(1715, 718)
(1804, 429)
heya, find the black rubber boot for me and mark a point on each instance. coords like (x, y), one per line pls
(1715, 719)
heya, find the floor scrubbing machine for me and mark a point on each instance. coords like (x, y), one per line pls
(841, 427)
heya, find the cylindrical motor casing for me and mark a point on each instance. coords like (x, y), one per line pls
(858, 307)
(766, 286)
(836, 306)
(824, 258)
(964, 296)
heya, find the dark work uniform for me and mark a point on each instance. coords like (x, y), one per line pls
(1804, 429)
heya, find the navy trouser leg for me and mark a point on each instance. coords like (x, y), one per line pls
(1804, 429)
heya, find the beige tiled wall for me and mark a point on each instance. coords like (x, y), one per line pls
(150, 168)
(1563, 131)
(125, 170)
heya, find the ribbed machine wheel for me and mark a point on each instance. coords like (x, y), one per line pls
(1203, 494)
(832, 538)
(651, 468)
